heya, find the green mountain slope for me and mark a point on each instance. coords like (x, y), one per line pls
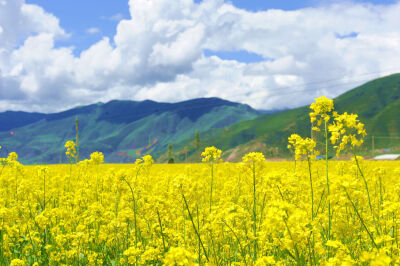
(119, 129)
(377, 103)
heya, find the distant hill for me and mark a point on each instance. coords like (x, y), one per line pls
(10, 119)
(377, 103)
(119, 129)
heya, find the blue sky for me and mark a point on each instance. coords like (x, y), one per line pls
(77, 17)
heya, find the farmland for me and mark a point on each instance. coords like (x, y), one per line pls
(144, 213)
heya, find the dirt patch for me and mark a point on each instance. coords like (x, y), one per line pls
(233, 155)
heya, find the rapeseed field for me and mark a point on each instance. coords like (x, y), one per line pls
(301, 212)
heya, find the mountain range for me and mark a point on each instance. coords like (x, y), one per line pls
(125, 130)
(122, 130)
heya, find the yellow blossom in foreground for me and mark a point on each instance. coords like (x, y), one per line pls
(265, 260)
(133, 254)
(302, 146)
(321, 109)
(179, 256)
(17, 262)
(347, 130)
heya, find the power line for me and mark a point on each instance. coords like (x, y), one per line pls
(359, 75)
(280, 93)
(382, 137)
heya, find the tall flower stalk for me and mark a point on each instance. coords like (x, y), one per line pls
(348, 131)
(322, 110)
(211, 155)
(304, 147)
(254, 158)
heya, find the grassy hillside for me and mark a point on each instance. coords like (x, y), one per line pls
(377, 103)
(120, 129)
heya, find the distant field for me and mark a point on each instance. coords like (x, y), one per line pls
(164, 214)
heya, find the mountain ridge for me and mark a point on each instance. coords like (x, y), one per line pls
(116, 127)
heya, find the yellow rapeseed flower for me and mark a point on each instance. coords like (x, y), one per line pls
(253, 157)
(71, 150)
(302, 146)
(347, 130)
(322, 107)
(211, 154)
(12, 156)
(179, 256)
(17, 262)
(96, 158)
(148, 159)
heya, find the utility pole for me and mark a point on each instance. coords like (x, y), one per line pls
(77, 138)
(311, 131)
(373, 146)
(197, 140)
(186, 153)
(170, 159)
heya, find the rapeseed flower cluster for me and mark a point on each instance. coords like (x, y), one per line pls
(253, 157)
(302, 146)
(347, 130)
(96, 158)
(71, 150)
(321, 111)
(211, 154)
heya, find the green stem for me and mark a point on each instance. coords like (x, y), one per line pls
(254, 212)
(238, 241)
(44, 190)
(327, 183)
(212, 180)
(194, 226)
(1, 172)
(366, 188)
(312, 245)
(365, 182)
(291, 237)
(361, 219)
(311, 186)
(1, 246)
(198, 226)
(161, 230)
(134, 209)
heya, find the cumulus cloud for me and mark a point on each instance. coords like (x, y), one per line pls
(158, 54)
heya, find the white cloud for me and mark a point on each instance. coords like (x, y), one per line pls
(158, 54)
(19, 20)
(117, 17)
(93, 30)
